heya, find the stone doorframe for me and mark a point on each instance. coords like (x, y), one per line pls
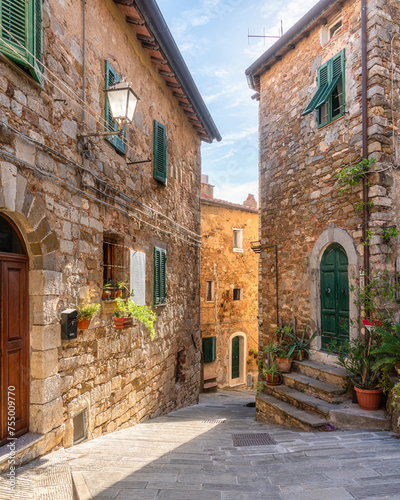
(332, 235)
(242, 359)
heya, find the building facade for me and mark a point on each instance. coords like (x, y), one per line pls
(328, 97)
(79, 210)
(228, 290)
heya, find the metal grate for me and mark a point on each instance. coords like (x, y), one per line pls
(220, 421)
(253, 439)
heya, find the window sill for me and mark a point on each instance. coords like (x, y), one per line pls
(238, 250)
(21, 72)
(320, 127)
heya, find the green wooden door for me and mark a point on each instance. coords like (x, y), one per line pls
(235, 357)
(334, 295)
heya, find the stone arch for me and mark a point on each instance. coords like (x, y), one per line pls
(28, 211)
(242, 359)
(332, 235)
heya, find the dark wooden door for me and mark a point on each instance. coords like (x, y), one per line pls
(334, 295)
(235, 357)
(14, 345)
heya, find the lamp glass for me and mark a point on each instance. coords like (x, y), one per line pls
(122, 101)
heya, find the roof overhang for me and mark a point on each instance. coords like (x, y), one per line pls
(152, 31)
(316, 16)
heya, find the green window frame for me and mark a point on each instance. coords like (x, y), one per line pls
(160, 152)
(160, 276)
(116, 141)
(21, 34)
(209, 349)
(329, 100)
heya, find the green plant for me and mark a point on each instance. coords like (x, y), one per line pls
(272, 370)
(300, 343)
(389, 232)
(144, 314)
(366, 242)
(390, 346)
(254, 353)
(360, 204)
(87, 309)
(350, 176)
(358, 359)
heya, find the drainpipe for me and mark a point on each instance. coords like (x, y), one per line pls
(364, 80)
(84, 65)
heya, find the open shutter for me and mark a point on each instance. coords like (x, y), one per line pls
(37, 42)
(209, 349)
(322, 79)
(15, 16)
(160, 276)
(138, 277)
(160, 152)
(116, 141)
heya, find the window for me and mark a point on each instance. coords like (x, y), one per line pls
(160, 152)
(138, 277)
(209, 349)
(335, 28)
(79, 422)
(331, 30)
(114, 270)
(209, 291)
(238, 240)
(329, 98)
(160, 276)
(116, 141)
(237, 293)
(21, 34)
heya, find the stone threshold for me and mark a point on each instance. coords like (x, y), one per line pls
(22, 444)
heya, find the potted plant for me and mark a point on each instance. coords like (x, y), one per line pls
(272, 375)
(359, 361)
(389, 348)
(86, 311)
(107, 291)
(300, 345)
(283, 357)
(123, 317)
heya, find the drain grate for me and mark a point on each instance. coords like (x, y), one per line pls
(217, 421)
(252, 439)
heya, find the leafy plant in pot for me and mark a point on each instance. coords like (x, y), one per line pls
(86, 311)
(389, 348)
(300, 345)
(272, 375)
(359, 361)
(123, 318)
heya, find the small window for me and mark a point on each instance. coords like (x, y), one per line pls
(114, 267)
(238, 240)
(160, 152)
(331, 29)
(21, 34)
(335, 28)
(209, 349)
(209, 291)
(237, 294)
(79, 422)
(117, 141)
(160, 276)
(328, 100)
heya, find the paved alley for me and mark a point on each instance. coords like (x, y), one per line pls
(190, 455)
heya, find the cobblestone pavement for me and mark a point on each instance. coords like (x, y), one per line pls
(189, 455)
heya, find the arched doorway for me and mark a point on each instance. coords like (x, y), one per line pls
(334, 295)
(237, 357)
(14, 332)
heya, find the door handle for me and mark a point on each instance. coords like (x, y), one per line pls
(343, 292)
(327, 290)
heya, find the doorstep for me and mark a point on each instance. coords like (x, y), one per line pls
(23, 445)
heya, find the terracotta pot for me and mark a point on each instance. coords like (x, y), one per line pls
(106, 295)
(119, 322)
(300, 355)
(368, 399)
(128, 322)
(113, 294)
(284, 364)
(273, 378)
(83, 324)
(118, 293)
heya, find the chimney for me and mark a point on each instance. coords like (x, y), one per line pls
(207, 190)
(250, 202)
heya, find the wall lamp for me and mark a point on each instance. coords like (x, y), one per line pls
(122, 101)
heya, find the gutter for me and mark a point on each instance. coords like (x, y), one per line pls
(155, 20)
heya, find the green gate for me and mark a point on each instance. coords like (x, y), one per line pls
(334, 295)
(235, 357)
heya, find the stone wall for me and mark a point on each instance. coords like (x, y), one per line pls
(62, 204)
(223, 317)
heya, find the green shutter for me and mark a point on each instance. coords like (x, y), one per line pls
(160, 276)
(327, 92)
(160, 152)
(322, 79)
(115, 140)
(21, 33)
(209, 349)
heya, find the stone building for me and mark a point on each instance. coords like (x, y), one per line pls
(78, 209)
(228, 290)
(328, 95)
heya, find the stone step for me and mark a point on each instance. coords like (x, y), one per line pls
(209, 378)
(210, 385)
(23, 449)
(300, 400)
(325, 373)
(272, 410)
(349, 415)
(323, 390)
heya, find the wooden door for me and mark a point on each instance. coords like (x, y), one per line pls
(235, 357)
(334, 295)
(14, 345)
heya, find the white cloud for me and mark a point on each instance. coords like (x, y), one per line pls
(235, 193)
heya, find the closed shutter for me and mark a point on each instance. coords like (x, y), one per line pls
(160, 276)
(209, 349)
(111, 125)
(160, 152)
(138, 277)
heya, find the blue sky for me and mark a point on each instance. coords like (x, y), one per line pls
(212, 36)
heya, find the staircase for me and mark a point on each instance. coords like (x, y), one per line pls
(315, 396)
(210, 383)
